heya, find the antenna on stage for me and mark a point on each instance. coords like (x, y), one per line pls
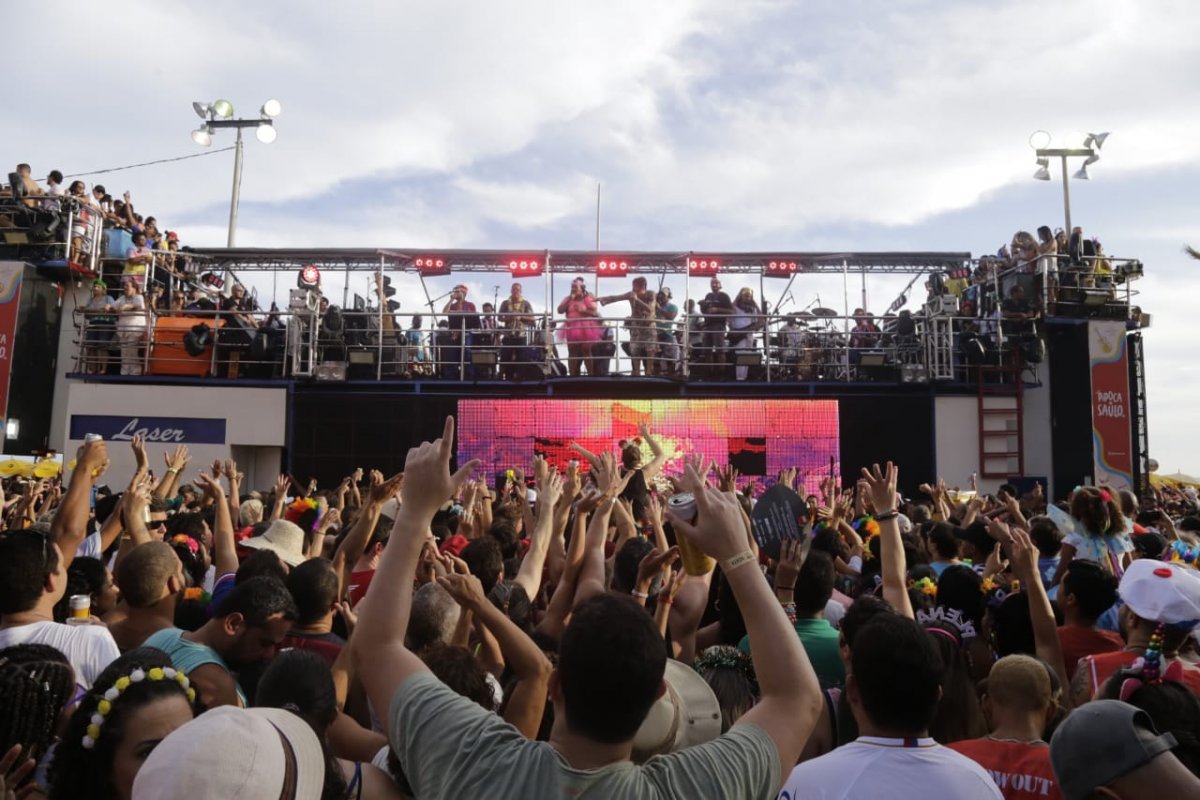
(597, 216)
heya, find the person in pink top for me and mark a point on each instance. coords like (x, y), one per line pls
(582, 328)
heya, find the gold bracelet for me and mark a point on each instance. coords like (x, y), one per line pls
(744, 557)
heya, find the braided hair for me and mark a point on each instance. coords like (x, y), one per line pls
(36, 682)
(79, 772)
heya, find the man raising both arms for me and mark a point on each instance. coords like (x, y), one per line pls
(610, 672)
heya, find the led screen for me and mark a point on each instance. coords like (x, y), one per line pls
(756, 436)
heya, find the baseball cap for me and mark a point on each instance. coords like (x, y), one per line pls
(686, 714)
(235, 753)
(1099, 742)
(1149, 545)
(976, 533)
(1161, 592)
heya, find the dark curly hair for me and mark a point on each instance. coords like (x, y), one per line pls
(80, 773)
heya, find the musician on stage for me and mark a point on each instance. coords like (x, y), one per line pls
(643, 344)
(464, 320)
(716, 307)
(516, 322)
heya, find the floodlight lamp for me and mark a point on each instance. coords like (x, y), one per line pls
(1097, 139)
(1039, 140)
(202, 136)
(1081, 174)
(1092, 159)
(222, 108)
(1043, 170)
(265, 132)
(271, 108)
(202, 109)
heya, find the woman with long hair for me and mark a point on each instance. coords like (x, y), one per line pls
(582, 329)
(131, 325)
(300, 681)
(746, 318)
(1094, 529)
(134, 703)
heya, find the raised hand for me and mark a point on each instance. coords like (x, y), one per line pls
(655, 562)
(282, 484)
(211, 486)
(591, 457)
(550, 490)
(139, 452)
(216, 468)
(466, 590)
(881, 487)
(427, 480)
(1023, 556)
(727, 478)
(178, 459)
(792, 553)
(718, 531)
(382, 491)
(571, 482)
(672, 581)
(609, 480)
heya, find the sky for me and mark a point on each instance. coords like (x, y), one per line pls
(755, 125)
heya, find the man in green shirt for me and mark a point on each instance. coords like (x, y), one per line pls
(609, 673)
(809, 592)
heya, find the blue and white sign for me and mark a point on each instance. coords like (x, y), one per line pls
(161, 430)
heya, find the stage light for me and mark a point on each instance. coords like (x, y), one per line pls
(201, 109)
(703, 267)
(780, 268)
(271, 108)
(518, 267)
(202, 135)
(1095, 140)
(265, 132)
(431, 266)
(1081, 174)
(222, 109)
(309, 277)
(1043, 170)
(612, 268)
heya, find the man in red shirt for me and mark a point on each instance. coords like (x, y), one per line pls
(1017, 704)
(1155, 594)
(1087, 591)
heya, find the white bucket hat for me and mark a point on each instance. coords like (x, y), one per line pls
(284, 539)
(686, 714)
(235, 753)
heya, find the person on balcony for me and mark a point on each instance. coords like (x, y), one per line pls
(131, 325)
(746, 319)
(643, 343)
(582, 330)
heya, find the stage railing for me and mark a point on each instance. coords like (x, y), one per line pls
(61, 227)
(304, 342)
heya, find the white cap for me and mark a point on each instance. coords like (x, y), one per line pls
(1161, 592)
(686, 714)
(235, 753)
(284, 539)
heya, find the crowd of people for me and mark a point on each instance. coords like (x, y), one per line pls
(610, 627)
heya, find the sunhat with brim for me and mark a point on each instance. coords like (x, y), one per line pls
(235, 754)
(284, 539)
(686, 714)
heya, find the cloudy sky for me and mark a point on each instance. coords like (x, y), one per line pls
(756, 124)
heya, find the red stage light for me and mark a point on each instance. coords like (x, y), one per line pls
(780, 268)
(431, 265)
(524, 266)
(703, 267)
(612, 268)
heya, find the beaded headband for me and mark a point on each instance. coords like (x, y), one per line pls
(948, 616)
(1149, 667)
(105, 706)
(924, 586)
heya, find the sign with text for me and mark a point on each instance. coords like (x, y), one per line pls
(160, 430)
(778, 515)
(11, 273)
(1112, 429)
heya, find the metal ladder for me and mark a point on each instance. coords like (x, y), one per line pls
(1001, 403)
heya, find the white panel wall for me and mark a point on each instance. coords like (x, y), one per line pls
(256, 424)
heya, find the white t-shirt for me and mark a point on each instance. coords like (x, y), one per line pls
(89, 648)
(886, 769)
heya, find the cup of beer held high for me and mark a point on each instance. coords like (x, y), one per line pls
(695, 562)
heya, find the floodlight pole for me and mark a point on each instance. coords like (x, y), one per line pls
(1064, 153)
(237, 189)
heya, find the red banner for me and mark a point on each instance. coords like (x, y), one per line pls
(10, 301)
(1112, 429)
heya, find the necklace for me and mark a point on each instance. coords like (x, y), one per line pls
(1015, 741)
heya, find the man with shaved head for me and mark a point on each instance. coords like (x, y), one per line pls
(151, 579)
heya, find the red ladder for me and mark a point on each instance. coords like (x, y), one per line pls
(1001, 394)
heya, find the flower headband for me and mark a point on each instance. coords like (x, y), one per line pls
(924, 586)
(724, 657)
(105, 706)
(298, 508)
(1182, 553)
(191, 544)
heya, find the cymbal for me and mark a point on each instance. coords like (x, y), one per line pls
(824, 312)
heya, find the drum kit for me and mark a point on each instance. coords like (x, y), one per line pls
(821, 352)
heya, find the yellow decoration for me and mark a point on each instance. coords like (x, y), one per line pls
(103, 707)
(156, 674)
(93, 731)
(122, 683)
(46, 468)
(13, 467)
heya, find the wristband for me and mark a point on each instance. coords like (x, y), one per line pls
(640, 595)
(884, 517)
(744, 557)
(172, 469)
(791, 588)
(663, 602)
